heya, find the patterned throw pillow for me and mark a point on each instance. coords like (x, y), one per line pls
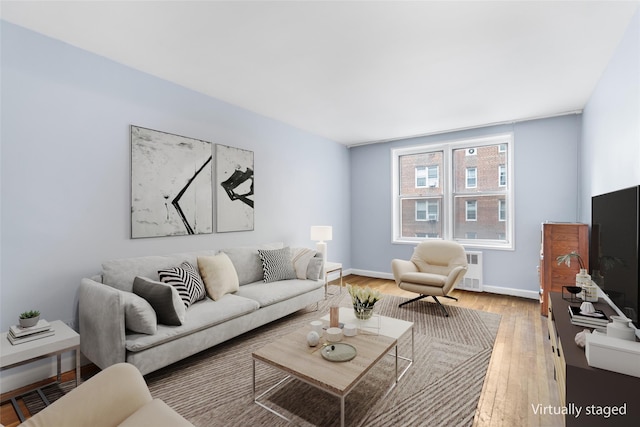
(277, 264)
(186, 280)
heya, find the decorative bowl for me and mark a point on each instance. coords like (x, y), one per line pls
(573, 289)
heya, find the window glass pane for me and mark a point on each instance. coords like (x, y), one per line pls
(502, 175)
(487, 225)
(486, 173)
(419, 174)
(421, 217)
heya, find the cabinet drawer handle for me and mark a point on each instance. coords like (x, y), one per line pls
(553, 349)
(558, 351)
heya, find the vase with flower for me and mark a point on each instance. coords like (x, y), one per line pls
(583, 278)
(364, 300)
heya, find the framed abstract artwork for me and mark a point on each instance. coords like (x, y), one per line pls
(171, 184)
(234, 189)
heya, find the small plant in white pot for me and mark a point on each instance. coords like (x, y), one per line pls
(29, 318)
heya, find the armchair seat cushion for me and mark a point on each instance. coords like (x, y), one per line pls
(429, 279)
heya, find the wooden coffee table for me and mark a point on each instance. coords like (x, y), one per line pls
(293, 356)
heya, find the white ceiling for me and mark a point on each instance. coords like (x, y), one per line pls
(356, 71)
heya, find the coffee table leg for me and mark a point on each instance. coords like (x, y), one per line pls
(397, 364)
(342, 411)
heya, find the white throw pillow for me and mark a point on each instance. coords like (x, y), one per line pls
(219, 275)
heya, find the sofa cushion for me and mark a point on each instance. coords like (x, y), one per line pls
(163, 298)
(218, 274)
(270, 293)
(301, 258)
(277, 264)
(186, 279)
(247, 262)
(202, 315)
(139, 316)
(120, 273)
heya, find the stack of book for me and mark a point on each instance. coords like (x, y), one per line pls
(597, 319)
(18, 335)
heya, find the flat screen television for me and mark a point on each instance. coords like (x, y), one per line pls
(613, 252)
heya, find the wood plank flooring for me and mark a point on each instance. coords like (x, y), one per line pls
(520, 372)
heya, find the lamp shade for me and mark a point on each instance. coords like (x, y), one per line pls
(321, 233)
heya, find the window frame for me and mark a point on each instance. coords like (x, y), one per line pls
(445, 175)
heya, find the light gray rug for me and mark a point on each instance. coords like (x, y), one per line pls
(441, 388)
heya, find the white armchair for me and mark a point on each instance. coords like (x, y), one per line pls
(435, 268)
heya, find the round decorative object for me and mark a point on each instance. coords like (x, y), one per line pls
(334, 334)
(339, 352)
(349, 330)
(363, 313)
(313, 338)
(29, 322)
(581, 338)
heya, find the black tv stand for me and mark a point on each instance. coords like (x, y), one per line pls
(591, 390)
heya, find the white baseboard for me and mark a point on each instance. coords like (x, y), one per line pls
(486, 288)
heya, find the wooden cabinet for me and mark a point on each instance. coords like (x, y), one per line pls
(592, 391)
(559, 239)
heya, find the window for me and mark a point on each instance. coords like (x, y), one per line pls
(502, 176)
(426, 176)
(471, 209)
(455, 190)
(426, 210)
(472, 180)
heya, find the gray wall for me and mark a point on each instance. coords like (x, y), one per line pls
(610, 156)
(546, 170)
(66, 179)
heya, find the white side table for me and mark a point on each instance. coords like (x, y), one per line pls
(65, 339)
(330, 267)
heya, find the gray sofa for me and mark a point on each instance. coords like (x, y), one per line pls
(120, 323)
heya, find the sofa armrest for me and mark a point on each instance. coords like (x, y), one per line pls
(400, 267)
(102, 331)
(105, 400)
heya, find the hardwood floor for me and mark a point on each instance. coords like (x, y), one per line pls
(520, 372)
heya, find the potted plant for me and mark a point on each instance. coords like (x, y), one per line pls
(363, 299)
(29, 318)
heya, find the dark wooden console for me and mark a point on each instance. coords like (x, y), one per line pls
(592, 390)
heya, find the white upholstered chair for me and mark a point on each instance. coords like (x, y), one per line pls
(435, 268)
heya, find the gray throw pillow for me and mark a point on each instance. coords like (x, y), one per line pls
(314, 269)
(277, 264)
(163, 298)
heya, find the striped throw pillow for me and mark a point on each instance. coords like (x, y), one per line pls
(186, 280)
(277, 264)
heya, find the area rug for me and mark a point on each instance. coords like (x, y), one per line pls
(441, 388)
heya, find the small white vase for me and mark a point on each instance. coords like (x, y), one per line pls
(583, 278)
